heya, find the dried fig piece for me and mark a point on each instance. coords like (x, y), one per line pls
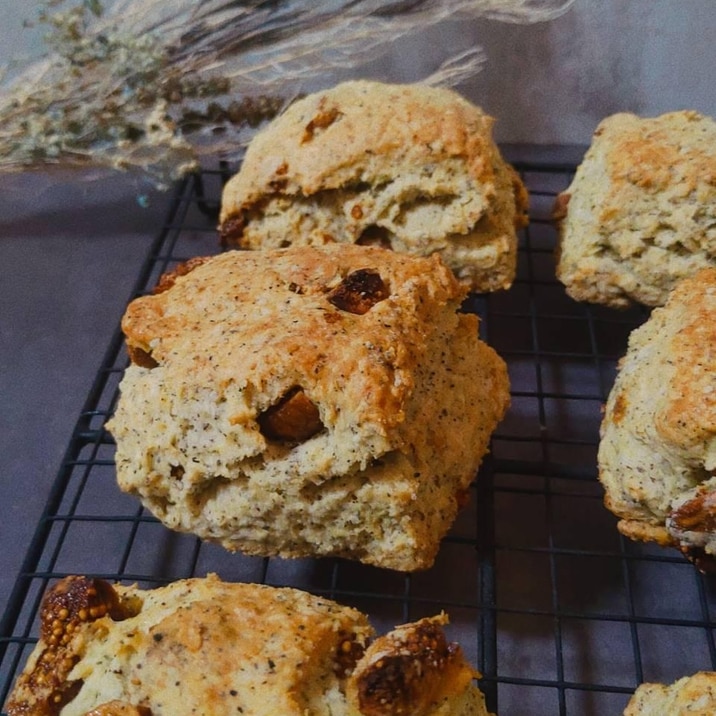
(359, 291)
(697, 514)
(692, 526)
(705, 563)
(559, 210)
(168, 279)
(294, 418)
(140, 357)
(70, 603)
(350, 651)
(324, 118)
(409, 670)
(231, 230)
(74, 600)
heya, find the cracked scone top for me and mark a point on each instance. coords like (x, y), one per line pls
(204, 646)
(408, 166)
(640, 213)
(657, 453)
(308, 401)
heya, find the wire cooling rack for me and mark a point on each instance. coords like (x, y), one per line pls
(559, 613)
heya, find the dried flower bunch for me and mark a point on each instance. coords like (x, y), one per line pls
(150, 86)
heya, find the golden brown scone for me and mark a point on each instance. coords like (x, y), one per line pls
(410, 167)
(640, 213)
(690, 696)
(657, 454)
(119, 708)
(203, 646)
(307, 402)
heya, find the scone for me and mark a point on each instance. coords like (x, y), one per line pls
(690, 696)
(640, 213)
(308, 402)
(204, 646)
(410, 167)
(657, 454)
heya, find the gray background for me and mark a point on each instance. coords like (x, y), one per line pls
(551, 83)
(70, 248)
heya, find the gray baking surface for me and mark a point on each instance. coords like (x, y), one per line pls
(561, 614)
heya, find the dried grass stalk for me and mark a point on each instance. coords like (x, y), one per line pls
(152, 86)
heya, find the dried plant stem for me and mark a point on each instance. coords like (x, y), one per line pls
(151, 86)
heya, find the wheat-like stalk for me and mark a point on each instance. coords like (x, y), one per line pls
(152, 86)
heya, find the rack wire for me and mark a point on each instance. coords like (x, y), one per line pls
(560, 614)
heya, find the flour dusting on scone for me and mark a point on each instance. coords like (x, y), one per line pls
(204, 646)
(657, 454)
(308, 402)
(640, 213)
(410, 167)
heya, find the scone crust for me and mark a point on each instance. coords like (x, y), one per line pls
(202, 645)
(657, 454)
(413, 161)
(640, 213)
(689, 696)
(274, 304)
(198, 645)
(406, 394)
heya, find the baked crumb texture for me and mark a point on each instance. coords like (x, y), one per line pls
(689, 696)
(122, 651)
(409, 167)
(308, 402)
(640, 213)
(657, 454)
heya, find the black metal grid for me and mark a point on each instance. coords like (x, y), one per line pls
(559, 613)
